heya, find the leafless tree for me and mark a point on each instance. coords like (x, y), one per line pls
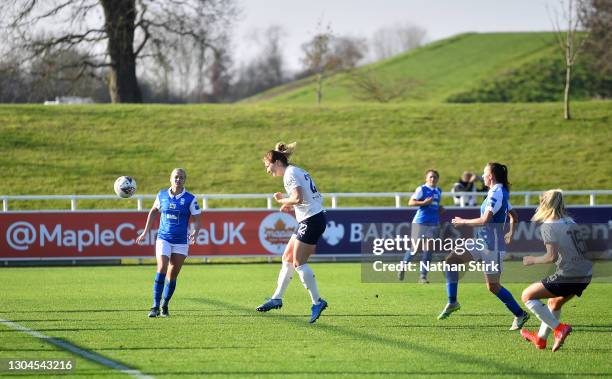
(367, 85)
(318, 58)
(348, 51)
(115, 33)
(570, 41)
(596, 16)
(396, 39)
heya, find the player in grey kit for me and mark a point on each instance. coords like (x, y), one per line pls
(572, 275)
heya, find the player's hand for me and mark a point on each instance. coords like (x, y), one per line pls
(508, 238)
(457, 221)
(528, 260)
(286, 208)
(278, 196)
(427, 201)
(191, 237)
(140, 238)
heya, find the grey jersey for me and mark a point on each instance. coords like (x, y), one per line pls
(571, 262)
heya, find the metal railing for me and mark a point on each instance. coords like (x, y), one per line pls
(400, 199)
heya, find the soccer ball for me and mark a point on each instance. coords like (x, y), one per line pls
(125, 186)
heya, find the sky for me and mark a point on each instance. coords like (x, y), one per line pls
(440, 18)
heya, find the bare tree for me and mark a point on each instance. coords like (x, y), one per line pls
(267, 67)
(570, 41)
(596, 16)
(369, 86)
(396, 39)
(318, 59)
(348, 51)
(125, 27)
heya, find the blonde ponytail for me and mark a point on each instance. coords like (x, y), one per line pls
(286, 149)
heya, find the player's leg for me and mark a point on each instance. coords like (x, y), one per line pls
(531, 296)
(284, 278)
(308, 234)
(452, 283)
(410, 252)
(432, 234)
(162, 255)
(495, 287)
(174, 268)
(554, 305)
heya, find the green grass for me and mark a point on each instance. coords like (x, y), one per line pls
(369, 330)
(368, 148)
(442, 68)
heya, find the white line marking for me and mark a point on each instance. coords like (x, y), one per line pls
(77, 350)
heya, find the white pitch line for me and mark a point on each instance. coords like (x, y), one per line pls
(78, 351)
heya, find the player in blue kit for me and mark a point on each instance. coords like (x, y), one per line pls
(493, 214)
(306, 200)
(426, 221)
(176, 207)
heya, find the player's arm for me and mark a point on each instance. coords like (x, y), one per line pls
(418, 193)
(152, 213)
(513, 221)
(458, 221)
(552, 252)
(197, 218)
(295, 197)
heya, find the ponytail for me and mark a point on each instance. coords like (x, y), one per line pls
(281, 152)
(500, 172)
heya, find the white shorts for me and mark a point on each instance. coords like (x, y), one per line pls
(493, 260)
(165, 248)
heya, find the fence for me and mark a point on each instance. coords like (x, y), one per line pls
(397, 198)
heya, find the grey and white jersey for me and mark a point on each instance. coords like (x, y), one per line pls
(312, 201)
(571, 262)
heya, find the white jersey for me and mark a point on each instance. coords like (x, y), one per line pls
(312, 201)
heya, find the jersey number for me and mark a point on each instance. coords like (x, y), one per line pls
(312, 186)
(578, 241)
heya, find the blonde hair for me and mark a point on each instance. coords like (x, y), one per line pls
(552, 207)
(178, 169)
(286, 149)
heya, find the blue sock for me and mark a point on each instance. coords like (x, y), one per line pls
(158, 287)
(452, 284)
(168, 291)
(407, 256)
(426, 258)
(506, 297)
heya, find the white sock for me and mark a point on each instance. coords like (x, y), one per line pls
(284, 278)
(308, 280)
(542, 312)
(544, 329)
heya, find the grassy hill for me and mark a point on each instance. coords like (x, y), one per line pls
(441, 70)
(82, 149)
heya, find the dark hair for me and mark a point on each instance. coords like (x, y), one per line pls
(434, 172)
(500, 172)
(274, 155)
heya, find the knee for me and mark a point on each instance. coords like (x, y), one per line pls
(525, 296)
(494, 288)
(554, 304)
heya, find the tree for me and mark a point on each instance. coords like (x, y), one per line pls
(396, 39)
(318, 58)
(596, 16)
(126, 27)
(570, 41)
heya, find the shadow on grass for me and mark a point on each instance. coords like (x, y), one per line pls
(494, 368)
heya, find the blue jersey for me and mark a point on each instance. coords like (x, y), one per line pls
(427, 214)
(497, 201)
(175, 213)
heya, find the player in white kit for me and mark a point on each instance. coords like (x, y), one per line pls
(304, 198)
(564, 247)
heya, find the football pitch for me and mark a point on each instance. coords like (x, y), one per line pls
(369, 330)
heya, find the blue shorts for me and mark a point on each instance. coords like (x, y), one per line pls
(311, 229)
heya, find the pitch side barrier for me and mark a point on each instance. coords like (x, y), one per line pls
(396, 199)
(110, 235)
